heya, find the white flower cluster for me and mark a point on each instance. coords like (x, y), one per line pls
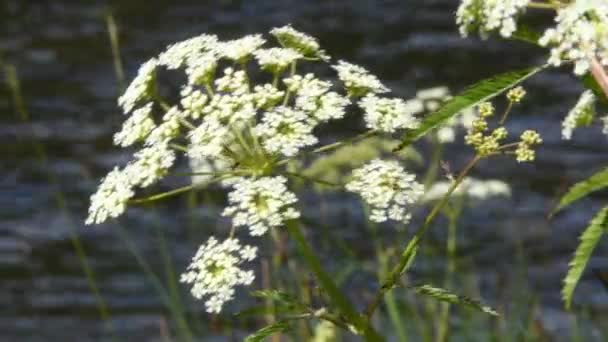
(389, 115)
(581, 34)
(489, 15)
(216, 269)
(470, 187)
(244, 132)
(261, 204)
(582, 108)
(358, 80)
(301, 42)
(387, 188)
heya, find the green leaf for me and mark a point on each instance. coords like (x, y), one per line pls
(447, 296)
(589, 239)
(267, 331)
(474, 95)
(594, 183)
(278, 296)
(526, 34)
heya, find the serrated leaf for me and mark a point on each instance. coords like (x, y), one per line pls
(447, 296)
(260, 335)
(474, 95)
(579, 190)
(589, 239)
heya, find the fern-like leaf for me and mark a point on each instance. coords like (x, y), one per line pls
(579, 190)
(474, 95)
(447, 296)
(589, 239)
(267, 331)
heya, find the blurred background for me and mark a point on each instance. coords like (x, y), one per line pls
(62, 281)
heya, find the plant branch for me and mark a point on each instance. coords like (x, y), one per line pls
(409, 253)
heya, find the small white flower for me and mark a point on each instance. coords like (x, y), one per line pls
(580, 35)
(276, 59)
(261, 204)
(136, 127)
(358, 80)
(582, 107)
(139, 89)
(240, 49)
(150, 165)
(301, 42)
(208, 139)
(176, 54)
(314, 97)
(489, 15)
(387, 188)
(200, 70)
(168, 129)
(286, 131)
(216, 269)
(193, 101)
(605, 123)
(389, 115)
(233, 81)
(111, 197)
(267, 96)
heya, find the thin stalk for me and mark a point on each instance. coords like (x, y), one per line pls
(542, 5)
(409, 253)
(14, 86)
(506, 114)
(178, 147)
(115, 45)
(314, 180)
(433, 169)
(599, 73)
(444, 318)
(342, 303)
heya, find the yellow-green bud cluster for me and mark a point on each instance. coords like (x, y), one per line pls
(516, 94)
(524, 151)
(485, 144)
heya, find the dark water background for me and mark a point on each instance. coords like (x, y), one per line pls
(63, 56)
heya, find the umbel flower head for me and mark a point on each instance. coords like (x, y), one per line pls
(387, 188)
(489, 15)
(216, 269)
(261, 204)
(581, 34)
(227, 118)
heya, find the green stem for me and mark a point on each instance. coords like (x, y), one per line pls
(344, 306)
(409, 253)
(543, 5)
(311, 179)
(506, 114)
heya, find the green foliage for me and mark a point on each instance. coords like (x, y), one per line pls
(526, 34)
(594, 183)
(275, 328)
(589, 239)
(447, 296)
(474, 95)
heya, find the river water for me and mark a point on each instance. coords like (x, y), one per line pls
(51, 162)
